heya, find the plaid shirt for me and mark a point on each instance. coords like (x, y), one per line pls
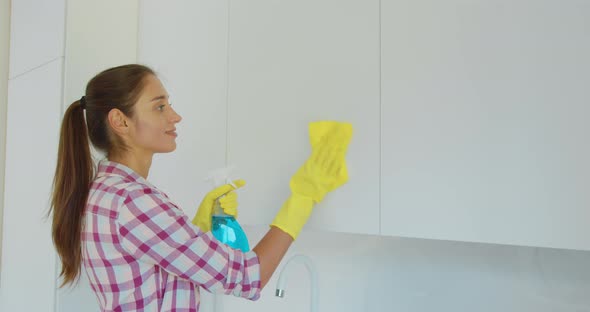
(141, 252)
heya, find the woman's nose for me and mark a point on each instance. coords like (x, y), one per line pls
(176, 118)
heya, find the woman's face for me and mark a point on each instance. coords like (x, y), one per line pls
(153, 126)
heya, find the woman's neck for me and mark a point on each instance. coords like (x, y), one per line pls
(141, 165)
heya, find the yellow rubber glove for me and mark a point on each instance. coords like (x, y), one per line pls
(227, 200)
(324, 171)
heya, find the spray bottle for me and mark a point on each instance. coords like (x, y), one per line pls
(225, 227)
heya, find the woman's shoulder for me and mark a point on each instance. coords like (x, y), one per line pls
(119, 186)
(109, 193)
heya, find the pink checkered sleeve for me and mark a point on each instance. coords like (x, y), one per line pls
(155, 231)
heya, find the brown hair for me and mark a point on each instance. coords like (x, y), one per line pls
(117, 87)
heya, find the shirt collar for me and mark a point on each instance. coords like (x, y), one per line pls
(111, 168)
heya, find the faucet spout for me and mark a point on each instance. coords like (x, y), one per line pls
(280, 292)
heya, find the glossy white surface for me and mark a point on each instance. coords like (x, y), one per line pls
(484, 116)
(291, 63)
(28, 258)
(36, 34)
(188, 50)
(5, 51)
(93, 45)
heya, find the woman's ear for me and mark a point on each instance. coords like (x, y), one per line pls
(118, 121)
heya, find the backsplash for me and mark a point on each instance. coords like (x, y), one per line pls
(372, 273)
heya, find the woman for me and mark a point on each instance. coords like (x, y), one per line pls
(139, 250)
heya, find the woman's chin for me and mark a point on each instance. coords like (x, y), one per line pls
(167, 149)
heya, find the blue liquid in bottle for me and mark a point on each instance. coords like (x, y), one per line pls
(228, 231)
(224, 227)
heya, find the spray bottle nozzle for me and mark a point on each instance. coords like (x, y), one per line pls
(221, 176)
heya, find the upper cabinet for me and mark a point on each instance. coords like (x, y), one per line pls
(32, 139)
(470, 117)
(485, 121)
(188, 50)
(90, 42)
(36, 34)
(291, 63)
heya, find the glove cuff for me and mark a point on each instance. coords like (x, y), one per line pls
(293, 215)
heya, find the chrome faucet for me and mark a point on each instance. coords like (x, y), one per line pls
(280, 292)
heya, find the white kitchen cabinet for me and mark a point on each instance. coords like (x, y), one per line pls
(90, 41)
(485, 121)
(188, 49)
(88, 51)
(32, 138)
(36, 34)
(291, 63)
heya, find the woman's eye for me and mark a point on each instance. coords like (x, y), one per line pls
(161, 107)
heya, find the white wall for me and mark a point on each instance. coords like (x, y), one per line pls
(4, 52)
(372, 273)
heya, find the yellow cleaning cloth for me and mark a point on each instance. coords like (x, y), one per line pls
(338, 136)
(325, 170)
(336, 132)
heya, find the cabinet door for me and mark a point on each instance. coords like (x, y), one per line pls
(83, 60)
(485, 121)
(36, 34)
(188, 49)
(290, 63)
(32, 138)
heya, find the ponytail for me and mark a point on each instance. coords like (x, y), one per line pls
(115, 88)
(71, 184)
